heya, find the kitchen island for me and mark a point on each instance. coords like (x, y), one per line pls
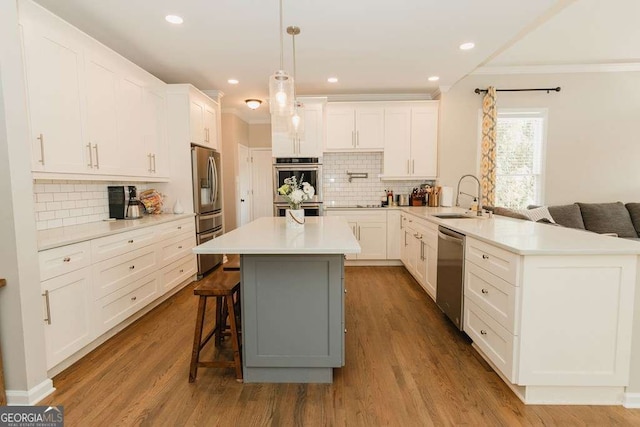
(292, 295)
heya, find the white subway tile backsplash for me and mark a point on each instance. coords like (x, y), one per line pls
(53, 223)
(59, 197)
(52, 188)
(44, 197)
(44, 216)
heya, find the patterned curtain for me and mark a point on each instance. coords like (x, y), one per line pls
(488, 157)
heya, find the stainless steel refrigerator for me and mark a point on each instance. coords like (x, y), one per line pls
(207, 200)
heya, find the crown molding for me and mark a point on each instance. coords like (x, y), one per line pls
(214, 94)
(613, 67)
(379, 97)
(440, 90)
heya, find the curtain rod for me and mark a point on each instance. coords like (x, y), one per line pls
(548, 89)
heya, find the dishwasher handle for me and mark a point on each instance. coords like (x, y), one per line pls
(449, 238)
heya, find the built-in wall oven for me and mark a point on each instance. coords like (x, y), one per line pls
(306, 169)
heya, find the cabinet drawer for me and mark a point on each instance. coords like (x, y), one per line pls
(493, 295)
(110, 246)
(177, 272)
(502, 263)
(57, 261)
(117, 272)
(177, 247)
(116, 307)
(494, 340)
(174, 228)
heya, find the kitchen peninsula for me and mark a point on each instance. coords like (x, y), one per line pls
(292, 296)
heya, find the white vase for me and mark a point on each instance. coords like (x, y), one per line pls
(177, 208)
(295, 218)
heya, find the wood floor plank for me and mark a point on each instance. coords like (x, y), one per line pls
(406, 365)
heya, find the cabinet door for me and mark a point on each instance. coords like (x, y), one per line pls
(131, 127)
(394, 234)
(397, 141)
(196, 118)
(311, 144)
(282, 145)
(104, 147)
(369, 128)
(155, 137)
(211, 126)
(53, 60)
(353, 225)
(424, 141)
(372, 237)
(68, 309)
(431, 249)
(340, 128)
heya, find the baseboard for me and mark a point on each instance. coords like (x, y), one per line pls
(373, 263)
(32, 396)
(631, 400)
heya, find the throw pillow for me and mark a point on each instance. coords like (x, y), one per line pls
(565, 215)
(537, 214)
(634, 211)
(607, 218)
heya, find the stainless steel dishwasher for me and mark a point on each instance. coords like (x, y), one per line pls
(451, 274)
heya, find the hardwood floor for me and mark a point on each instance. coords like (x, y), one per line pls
(406, 365)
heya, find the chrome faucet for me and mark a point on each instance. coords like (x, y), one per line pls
(479, 198)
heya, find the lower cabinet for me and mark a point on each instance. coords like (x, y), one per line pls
(370, 229)
(419, 251)
(92, 286)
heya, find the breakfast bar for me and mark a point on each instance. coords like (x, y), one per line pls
(292, 291)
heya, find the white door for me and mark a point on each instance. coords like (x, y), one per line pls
(262, 182)
(311, 145)
(196, 122)
(244, 185)
(340, 127)
(210, 126)
(155, 133)
(373, 240)
(424, 141)
(369, 127)
(397, 141)
(131, 127)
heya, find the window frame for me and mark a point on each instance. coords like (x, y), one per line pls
(533, 112)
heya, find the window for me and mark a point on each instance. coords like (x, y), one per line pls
(520, 157)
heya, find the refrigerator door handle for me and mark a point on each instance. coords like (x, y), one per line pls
(214, 192)
(212, 179)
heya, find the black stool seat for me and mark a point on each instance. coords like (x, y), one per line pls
(225, 288)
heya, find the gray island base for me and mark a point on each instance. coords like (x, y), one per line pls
(292, 297)
(292, 317)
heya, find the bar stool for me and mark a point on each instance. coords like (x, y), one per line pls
(225, 287)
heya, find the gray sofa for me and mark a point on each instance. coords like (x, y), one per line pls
(616, 218)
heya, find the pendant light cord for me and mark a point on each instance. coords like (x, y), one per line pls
(294, 71)
(281, 40)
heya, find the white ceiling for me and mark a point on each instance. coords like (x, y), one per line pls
(373, 47)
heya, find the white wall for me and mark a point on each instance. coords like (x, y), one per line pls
(21, 321)
(234, 131)
(260, 135)
(593, 142)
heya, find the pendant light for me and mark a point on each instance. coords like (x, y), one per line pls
(297, 118)
(281, 98)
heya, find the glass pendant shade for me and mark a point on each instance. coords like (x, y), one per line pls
(281, 96)
(281, 124)
(297, 121)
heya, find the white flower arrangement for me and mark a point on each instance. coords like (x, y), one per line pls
(296, 192)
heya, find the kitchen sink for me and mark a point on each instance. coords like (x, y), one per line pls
(455, 216)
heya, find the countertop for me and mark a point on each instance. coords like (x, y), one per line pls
(269, 235)
(55, 237)
(528, 237)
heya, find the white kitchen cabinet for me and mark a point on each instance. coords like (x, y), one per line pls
(67, 311)
(88, 106)
(354, 126)
(394, 234)
(53, 58)
(310, 144)
(419, 251)
(370, 229)
(203, 119)
(410, 140)
(555, 327)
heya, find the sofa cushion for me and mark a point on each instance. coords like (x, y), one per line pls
(508, 212)
(607, 218)
(634, 212)
(566, 215)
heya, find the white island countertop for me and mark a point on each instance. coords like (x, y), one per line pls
(269, 235)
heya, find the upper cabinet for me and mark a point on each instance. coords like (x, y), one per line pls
(285, 144)
(90, 109)
(411, 140)
(352, 126)
(204, 119)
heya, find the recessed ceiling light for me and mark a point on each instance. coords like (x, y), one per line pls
(332, 80)
(467, 46)
(233, 81)
(174, 19)
(433, 78)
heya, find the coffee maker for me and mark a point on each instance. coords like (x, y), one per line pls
(135, 208)
(117, 202)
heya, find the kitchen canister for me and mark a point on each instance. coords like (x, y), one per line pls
(446, 197)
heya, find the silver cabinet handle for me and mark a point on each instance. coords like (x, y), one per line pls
(358, 232)
(483, 332)
(66, 259)
(131, 267)
(485, 256)
(46, 300)
(408, 170)
(153, 156)
(405, 237)
(41, 139)
(345, 330)
(353, 138)
(150, 168)
(345, 290)
(180, 247)
(485, 291)
(134, 298)
(357, 138)
(422, 250)
(413, 166)
(90, 156)
(179, 227)
(95, 147)
(182, 270)
(130, 241)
